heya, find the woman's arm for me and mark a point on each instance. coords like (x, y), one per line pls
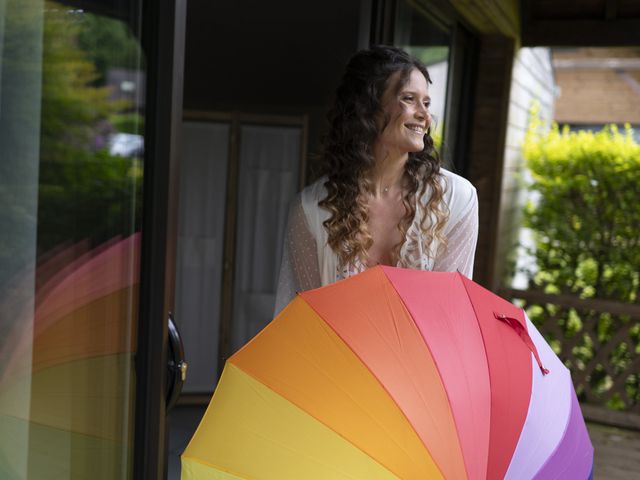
(299, 270)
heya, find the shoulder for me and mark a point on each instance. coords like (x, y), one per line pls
(315, 215)
(457, 188)
(459, 194)
(316, 190)
(313, 193)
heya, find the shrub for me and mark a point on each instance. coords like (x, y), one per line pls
(585, 216)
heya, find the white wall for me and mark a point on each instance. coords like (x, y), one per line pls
(532, 80)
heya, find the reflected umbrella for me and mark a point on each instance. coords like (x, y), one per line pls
(76, 362)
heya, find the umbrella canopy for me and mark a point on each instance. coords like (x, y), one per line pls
(394, 373)
(74, 369)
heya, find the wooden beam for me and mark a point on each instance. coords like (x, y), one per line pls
(491, 16)
(604, 416)
(581, 33)
(486, 152)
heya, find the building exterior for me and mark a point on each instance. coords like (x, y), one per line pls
(597, 86)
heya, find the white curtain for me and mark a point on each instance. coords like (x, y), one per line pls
(268, 180)
(203, 187)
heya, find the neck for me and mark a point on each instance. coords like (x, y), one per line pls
(387, 175)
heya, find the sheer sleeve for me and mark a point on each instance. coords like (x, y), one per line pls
(299, 270)
(462, 238)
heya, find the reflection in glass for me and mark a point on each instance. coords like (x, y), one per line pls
(419, 35)
(71, 131)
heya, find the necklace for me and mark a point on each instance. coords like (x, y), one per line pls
(385, 189)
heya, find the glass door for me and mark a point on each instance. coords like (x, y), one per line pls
(74, 121)
(437, 37)
(430, 41)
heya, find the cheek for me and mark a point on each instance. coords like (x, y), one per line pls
(402, 112)
(395, 111)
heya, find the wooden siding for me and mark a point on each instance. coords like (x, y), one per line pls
(532, 80)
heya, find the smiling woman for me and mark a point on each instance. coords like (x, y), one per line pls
(384, 198)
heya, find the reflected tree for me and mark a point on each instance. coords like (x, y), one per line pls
(85, 193)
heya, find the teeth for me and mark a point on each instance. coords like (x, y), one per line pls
(415, 128)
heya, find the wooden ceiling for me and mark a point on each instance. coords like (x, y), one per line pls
(491, 16)
(580, 22)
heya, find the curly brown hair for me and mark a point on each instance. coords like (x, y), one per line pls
(348, 158)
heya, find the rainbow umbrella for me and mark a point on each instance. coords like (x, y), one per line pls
(394, 374)
(68, 380)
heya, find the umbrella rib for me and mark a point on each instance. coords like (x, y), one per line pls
(385, 283)
(402, 363)
(326, 328)
(475, 311)
(379, 382)
(562, 437)
(351, 397)
(217, 467)
(319, 421)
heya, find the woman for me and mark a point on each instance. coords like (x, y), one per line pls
(383, 199)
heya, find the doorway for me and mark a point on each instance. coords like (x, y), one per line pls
(239, 172)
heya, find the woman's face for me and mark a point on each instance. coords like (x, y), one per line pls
(407, 112)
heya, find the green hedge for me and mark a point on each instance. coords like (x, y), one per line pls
(585, 218)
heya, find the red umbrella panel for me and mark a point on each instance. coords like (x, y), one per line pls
(394, 373)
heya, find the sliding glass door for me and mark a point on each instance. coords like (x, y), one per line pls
(74, 127)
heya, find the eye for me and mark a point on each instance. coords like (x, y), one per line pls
(408, 98)
(427, 105)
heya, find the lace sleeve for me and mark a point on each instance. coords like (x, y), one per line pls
(299, 270)
(461, 242)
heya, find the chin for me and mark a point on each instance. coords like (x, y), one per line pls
(416, 148)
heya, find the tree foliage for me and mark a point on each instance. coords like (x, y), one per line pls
(107, 43)
(84, 192)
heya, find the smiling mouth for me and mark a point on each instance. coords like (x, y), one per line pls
(419, 129)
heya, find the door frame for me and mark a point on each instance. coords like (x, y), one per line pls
(163, 39)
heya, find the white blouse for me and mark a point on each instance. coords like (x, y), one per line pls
(308, 261)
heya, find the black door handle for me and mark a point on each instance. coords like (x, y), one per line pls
(176, 365)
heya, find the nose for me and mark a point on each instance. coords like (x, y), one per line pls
(422, 112)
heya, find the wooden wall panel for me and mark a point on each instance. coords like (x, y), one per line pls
(487, 144)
